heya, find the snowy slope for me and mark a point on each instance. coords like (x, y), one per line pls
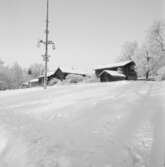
(87, 125)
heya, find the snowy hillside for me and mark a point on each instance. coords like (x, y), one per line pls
(119, 124)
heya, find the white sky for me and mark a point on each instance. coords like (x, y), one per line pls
(86, 32)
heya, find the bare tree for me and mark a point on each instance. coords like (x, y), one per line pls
(147, 59)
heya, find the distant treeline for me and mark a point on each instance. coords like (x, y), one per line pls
(13, 77)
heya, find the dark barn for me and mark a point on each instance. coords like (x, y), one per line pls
(126, 68)
(62, 73)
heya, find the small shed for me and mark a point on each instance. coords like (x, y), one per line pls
(126, 67)
(108, 75)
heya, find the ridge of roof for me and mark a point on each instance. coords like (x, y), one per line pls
(119, 64)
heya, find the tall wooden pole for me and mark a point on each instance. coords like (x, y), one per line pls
(46, 45)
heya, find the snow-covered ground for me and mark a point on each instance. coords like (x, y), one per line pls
(119, 124)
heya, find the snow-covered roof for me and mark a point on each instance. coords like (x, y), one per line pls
(113, 73)
(119, 64)
(72, 70)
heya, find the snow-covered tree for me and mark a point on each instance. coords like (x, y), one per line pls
(155, 43)
(17, 75)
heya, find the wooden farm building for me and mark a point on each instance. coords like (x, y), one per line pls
(61, 74)
(119, 71)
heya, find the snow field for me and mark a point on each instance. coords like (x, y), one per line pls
(87, 125)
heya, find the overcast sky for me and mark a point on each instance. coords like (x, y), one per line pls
(86, 32)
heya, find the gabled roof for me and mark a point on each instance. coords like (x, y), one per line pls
(113, 73)
(119, 64)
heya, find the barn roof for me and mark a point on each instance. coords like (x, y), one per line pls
(72, 70)
(113, 73)
(119, 64)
